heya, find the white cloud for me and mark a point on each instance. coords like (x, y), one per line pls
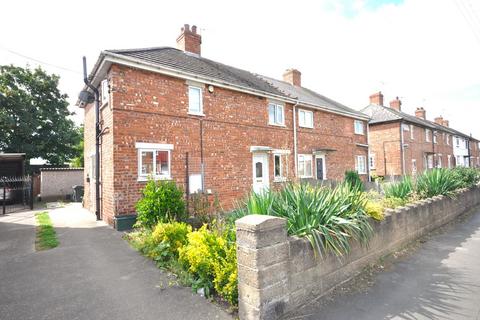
(422, 51)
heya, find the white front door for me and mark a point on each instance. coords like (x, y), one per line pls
(260, 172)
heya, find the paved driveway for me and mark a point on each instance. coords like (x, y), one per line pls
(93, 274)
(440, 281)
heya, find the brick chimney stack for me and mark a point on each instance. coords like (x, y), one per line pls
(293, 76)
(396, 104)
(446, 123)
(439, 120)
(189, 40)
(377, 98)
(420, 113)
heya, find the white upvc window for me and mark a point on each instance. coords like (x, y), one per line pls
(305, 167)
(105, 92)
(406, 127)
(305, 118)
(449, 161)
(439, 161)
(427, 135)
(358, 124)
(435, 136)
(411, 132)
(361, 164)
(414, 166)
(372, 161)
(154, 161)
(457, 140)
(195, 101)
(276, 114)
(430, 161)
(278, 174)
(448, 139)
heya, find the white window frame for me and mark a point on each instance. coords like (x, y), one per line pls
(414, 166)
(281, 177)
(448, 139)
(304, 124)
(105, 92)
(439, 161)
(457, 142)
(412, 137)
(195, 112)
(356, 125)
(305, 158)
(276, 107)
(153, 147)
(357, 164)
(449, 161)
(427, 135)
(434, 135)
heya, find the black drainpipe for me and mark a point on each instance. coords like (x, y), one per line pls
(97, 139)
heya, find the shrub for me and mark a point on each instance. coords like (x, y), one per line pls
(374, 210)
(328, 218)
(353, 180)
(166, 240)
(401, 190)
(161, 201)
(467, 177)
(393, 202)
(437, 182)
(211, 258)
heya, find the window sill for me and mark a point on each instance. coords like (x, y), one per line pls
(306, 177)
(145, 179)
(280, 179)
(359, 134)
(277, 125)
(198, 114)
(305, 127)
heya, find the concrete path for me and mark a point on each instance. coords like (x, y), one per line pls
(439, 281)
(93, 274)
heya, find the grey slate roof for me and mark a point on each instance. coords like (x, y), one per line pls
(178, 59)
(194, 64)
(379, 114)
(308, 96)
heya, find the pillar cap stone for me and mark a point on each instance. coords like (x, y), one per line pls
(256, 222)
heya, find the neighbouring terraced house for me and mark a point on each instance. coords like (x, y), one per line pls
(403, 144)
(170, 113)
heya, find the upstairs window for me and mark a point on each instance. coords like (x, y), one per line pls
(358, 124)
(305, 118)
(457, 142)
(195, 105)
(411, 132)
(434, 136)
(275, 114)
(427, 135)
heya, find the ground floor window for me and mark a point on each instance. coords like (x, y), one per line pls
(439, 161)
(414, 166)
(361, 164)
(154, 160)
(305, 166)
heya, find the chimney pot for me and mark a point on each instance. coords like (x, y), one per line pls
(420, 113)
(189, 40)
(377, 98)
(396, 104)
(293, 76)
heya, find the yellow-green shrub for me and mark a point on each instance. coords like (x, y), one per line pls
(393, 202)
(173, 233)
(211, 258)
(374, 210)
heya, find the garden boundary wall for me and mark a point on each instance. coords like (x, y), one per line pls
(57, 183)
(278, 273)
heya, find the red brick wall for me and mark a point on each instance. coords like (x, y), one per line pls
(384, 140)
(149, 107)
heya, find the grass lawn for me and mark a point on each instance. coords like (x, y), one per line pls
(46, 235)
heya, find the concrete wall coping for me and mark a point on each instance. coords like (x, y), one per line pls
(257, 222)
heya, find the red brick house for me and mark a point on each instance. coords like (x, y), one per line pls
(402, 144)
(173, 114)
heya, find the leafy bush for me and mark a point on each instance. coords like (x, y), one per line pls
(328, 218)
(437, 182)
(401, 190)
(166, 240)
(393, 202)
(468, 177)
(161, 201)
(374, 210)
(211, 258)
(353, 180)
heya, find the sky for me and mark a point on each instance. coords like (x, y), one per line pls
(425, 52)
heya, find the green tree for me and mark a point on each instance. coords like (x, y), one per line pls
(78, 161)
(34, 115)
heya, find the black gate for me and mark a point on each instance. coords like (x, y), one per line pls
(16, 194)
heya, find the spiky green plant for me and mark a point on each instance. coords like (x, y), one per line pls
(402, 189)
(329, 218)
(437, 182)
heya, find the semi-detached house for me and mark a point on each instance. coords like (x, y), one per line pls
(170, 113)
